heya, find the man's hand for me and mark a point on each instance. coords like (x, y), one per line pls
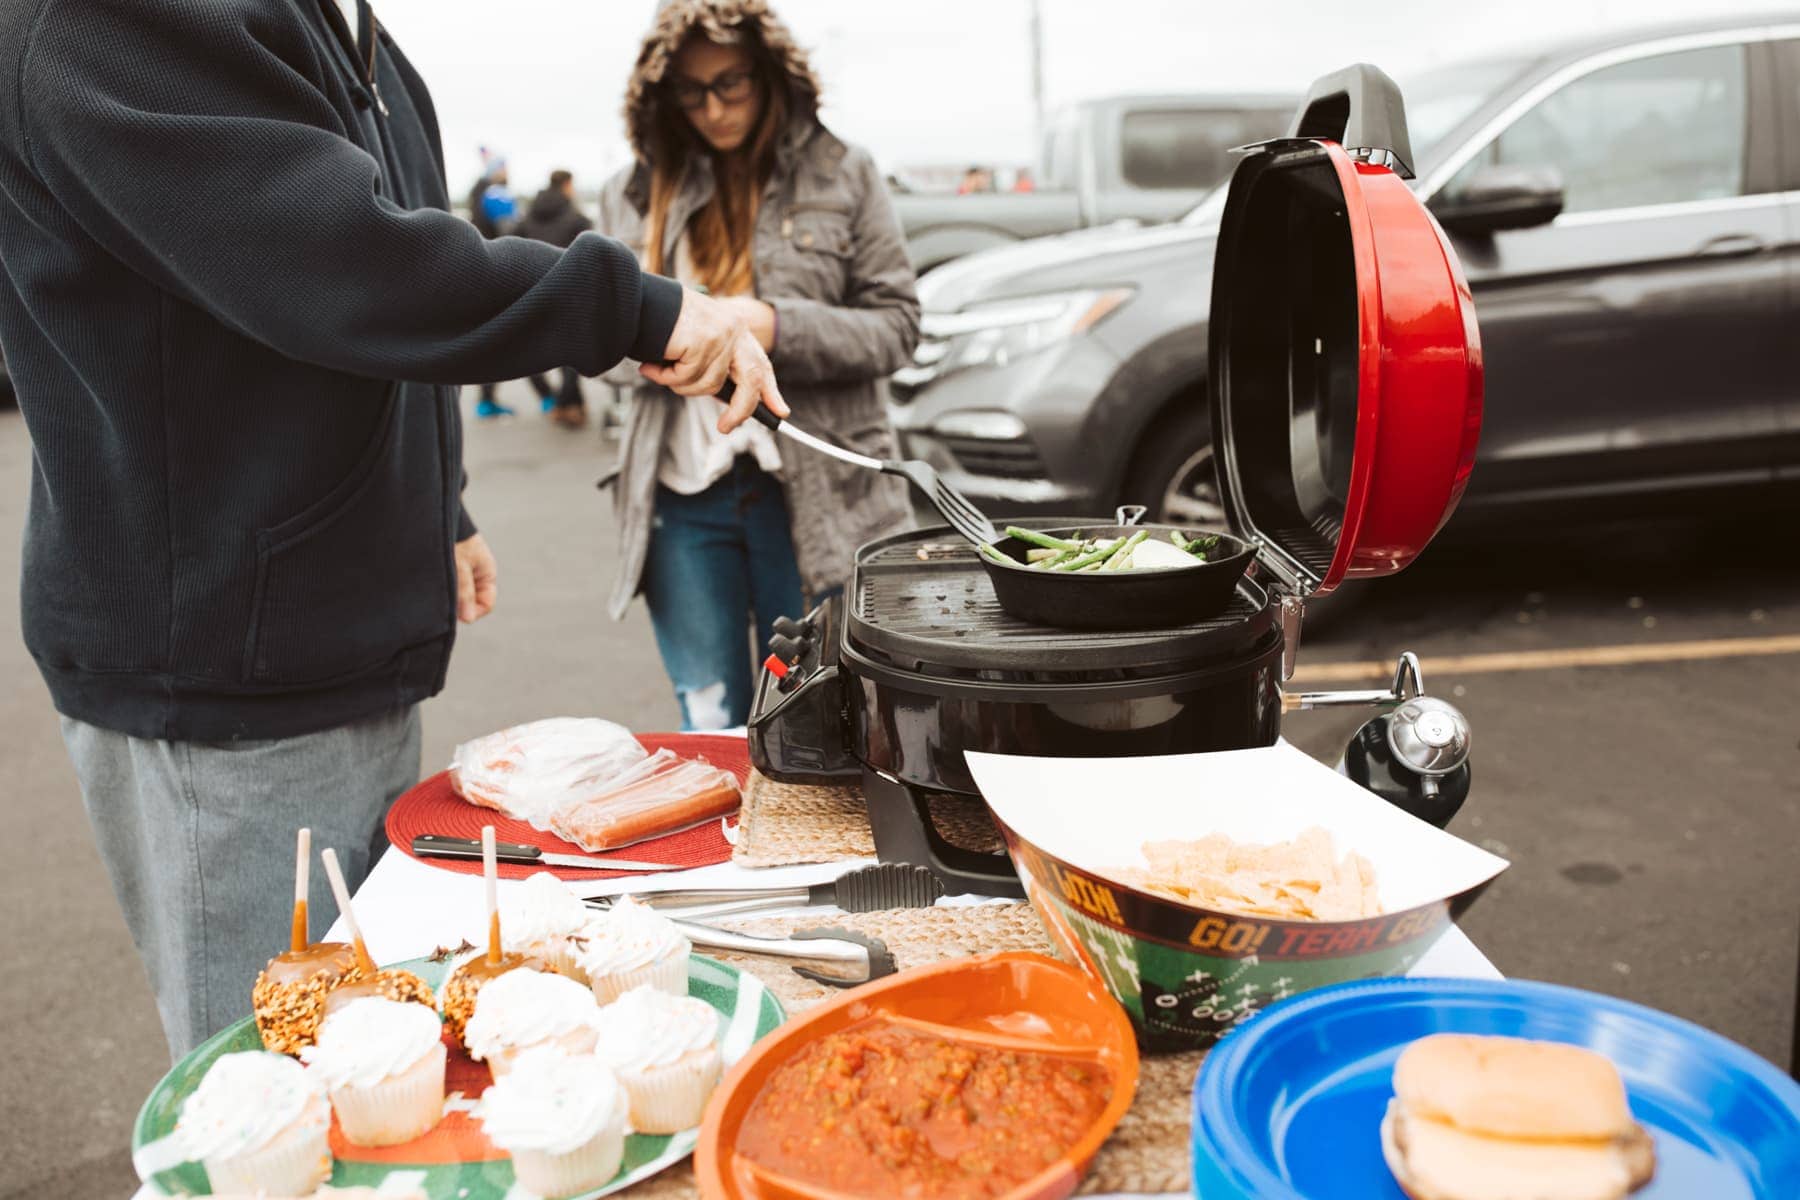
(477, 579)
(759, 318)
(710, 343)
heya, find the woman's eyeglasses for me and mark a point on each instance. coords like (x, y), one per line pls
(733, 87)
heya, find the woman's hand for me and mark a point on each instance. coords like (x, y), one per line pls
(712, 341)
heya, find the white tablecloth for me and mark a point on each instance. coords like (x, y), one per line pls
(408, 909)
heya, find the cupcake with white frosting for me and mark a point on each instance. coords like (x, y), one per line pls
(383, 1063)
(526, 1008)
(561, 1117)
(259, 1123)
(543, 919)
(665, 1050)
(633, 946)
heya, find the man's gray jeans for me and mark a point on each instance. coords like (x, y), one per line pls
(199, 841)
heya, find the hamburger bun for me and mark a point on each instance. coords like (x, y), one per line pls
(1432, 1160)
(1512, 1087)
(1495, 1118)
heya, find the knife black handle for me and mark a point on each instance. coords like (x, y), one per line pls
(433, 845)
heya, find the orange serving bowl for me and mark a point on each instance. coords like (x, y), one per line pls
(1013, 1001)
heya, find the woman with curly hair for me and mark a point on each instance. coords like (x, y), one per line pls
(738, 188)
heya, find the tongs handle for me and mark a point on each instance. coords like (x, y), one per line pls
(831, 949)
(830, 945)
(739, 899)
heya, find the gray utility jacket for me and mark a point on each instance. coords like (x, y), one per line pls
(830, 258)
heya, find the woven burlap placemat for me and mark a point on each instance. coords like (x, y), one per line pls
(784, 823)
(1148, 1152)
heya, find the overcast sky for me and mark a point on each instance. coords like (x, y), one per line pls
(928, 82)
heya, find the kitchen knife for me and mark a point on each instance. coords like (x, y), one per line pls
(432, 845)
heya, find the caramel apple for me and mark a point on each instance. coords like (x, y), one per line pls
(466, 982)
(289, 996)
(386, 983)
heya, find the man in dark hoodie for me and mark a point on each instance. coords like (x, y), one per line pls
(553, 217)
(236, 307)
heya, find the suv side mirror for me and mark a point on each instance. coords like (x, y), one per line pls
(1502, 196)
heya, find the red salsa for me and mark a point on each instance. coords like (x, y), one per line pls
(885, 1110)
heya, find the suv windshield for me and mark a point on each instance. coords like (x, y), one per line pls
(1436, 103)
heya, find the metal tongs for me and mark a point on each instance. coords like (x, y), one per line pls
(957, 509)
(869, 956)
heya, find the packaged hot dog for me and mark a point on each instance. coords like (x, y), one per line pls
(676, 796)
(529, 771)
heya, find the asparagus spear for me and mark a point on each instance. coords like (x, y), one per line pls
(994, 555)
(1042, 540)
(1120, 559)
(1096, 556)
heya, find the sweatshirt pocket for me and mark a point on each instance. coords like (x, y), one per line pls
(355, 578)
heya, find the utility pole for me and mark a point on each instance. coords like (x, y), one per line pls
(1037, 75)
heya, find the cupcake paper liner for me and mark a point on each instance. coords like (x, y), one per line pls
(294, 1163)
(666, 975)
(580, 1170)
(672, 1098)
(397, 1109)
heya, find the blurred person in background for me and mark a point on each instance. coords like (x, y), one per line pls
(493, 209)
(553, 217)
(738, 188)
(975, 180)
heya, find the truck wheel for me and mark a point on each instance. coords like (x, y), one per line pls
(1173, 475)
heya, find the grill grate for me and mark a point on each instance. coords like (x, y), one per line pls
(923, 601)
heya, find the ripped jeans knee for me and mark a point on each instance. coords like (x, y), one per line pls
(704, 709)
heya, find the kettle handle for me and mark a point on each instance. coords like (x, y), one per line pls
(1359, 108)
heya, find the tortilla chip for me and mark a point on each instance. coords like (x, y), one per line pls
(1302, 879)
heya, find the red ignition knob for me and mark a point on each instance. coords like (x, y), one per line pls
(774, 666)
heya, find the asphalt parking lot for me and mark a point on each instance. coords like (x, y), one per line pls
(1637, 758)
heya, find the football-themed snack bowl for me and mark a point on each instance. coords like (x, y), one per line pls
(1189, 973)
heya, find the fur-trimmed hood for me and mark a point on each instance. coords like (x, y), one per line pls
(675, 19)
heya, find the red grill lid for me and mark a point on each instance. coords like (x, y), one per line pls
(1345, 361)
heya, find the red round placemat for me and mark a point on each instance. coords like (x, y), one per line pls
(432, 807)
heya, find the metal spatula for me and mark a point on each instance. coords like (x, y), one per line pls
(956, 508)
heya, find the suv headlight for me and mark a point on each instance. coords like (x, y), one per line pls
(997, 333)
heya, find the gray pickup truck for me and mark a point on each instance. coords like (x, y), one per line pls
(1123, 158)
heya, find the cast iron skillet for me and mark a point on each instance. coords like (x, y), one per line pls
(1124, 599)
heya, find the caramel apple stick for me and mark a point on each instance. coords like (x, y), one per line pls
(302, 880)
(329, 857)
(490, 871)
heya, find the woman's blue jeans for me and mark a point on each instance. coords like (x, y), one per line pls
(720, 569)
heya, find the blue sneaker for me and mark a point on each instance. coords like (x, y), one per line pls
(489, 409)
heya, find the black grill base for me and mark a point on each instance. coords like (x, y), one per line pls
(900, 818)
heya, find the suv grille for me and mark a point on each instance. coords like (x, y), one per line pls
(1016, 459)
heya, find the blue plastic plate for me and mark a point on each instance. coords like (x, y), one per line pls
(1289, 1107)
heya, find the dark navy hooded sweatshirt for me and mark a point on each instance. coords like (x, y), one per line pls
(236, 310)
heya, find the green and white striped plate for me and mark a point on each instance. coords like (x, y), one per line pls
(454, 1162)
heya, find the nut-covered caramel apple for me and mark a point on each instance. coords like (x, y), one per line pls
(289, 997)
